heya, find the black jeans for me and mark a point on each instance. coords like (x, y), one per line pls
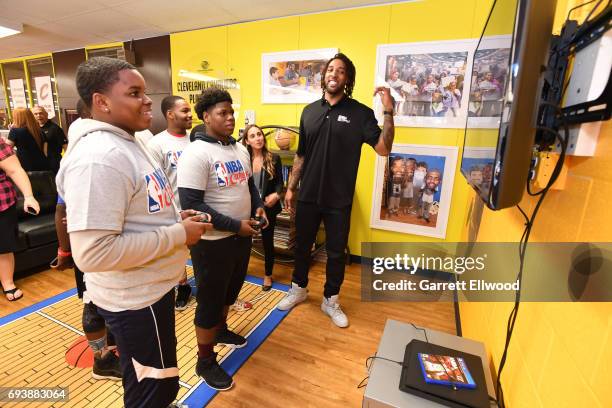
(220, 267)
(337, 222)
(147, 350)
(267, 236)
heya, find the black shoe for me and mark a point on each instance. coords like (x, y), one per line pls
(183, 294)
(213, 374)
(265, 287)
(228, 338)
(107, 367)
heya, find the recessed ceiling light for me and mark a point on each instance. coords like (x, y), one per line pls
(7, 29)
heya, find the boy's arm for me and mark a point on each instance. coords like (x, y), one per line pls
(103, 250)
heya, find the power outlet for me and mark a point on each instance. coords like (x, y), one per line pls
(546, 165)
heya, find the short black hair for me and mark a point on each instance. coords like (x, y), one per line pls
(168, 103)
(97, 75)
(209, 98)
(82, 110)
(273, 70)
(351, 73)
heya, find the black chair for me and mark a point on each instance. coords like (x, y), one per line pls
(37, 235)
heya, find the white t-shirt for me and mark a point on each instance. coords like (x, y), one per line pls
(166, 148)
(222, 172)
(109, 183)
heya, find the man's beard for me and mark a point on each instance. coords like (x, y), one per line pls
(339, 91)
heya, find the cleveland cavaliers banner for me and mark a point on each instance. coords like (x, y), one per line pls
(44, 94)
(18, 93)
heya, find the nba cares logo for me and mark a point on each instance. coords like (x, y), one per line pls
(159, 193)
(230, 173)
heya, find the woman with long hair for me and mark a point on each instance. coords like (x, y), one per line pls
(11, 175)
(268, 176)
(27, 137)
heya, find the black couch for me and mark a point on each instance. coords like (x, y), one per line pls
(37, 237)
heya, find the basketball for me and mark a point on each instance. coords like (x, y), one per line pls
(284, 139)
(79, 354)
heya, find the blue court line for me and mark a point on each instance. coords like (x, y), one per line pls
(203, 394)
(36, 307)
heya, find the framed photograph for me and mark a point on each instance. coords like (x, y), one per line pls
(477, 166)
(293, 76)
(489, 81)
(413, 189)
(427, 81)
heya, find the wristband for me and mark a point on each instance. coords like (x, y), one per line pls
(60, 252)
(388, 112)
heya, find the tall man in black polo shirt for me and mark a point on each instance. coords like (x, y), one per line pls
(53, 135)
(332, 131)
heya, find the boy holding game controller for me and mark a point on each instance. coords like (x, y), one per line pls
(215, 176)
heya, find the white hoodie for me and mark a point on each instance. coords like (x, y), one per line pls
(123, 224)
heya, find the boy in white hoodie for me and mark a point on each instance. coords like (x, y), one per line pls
(125, 230)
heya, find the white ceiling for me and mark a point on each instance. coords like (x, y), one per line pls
(55, 25)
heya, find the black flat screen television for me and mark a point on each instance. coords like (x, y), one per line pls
(504, 97)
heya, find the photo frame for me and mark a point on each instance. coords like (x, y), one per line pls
(490, 74)
(293, 76)
(429, 82)
(411, 203)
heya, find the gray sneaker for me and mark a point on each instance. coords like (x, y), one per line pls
(293, 297)
(331, 307)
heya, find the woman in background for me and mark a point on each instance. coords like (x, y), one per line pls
(11, 173)
(27, 137)
(268, 177)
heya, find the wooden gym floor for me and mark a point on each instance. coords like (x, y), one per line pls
(305, 362)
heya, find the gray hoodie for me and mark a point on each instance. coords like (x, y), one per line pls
(123, 224)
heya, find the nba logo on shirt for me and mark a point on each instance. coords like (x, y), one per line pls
(221, 174)
(159, 194)
(172, 158)
(230, 173)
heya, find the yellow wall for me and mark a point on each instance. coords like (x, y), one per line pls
(546, 366)
(560, 352)
(235, 51)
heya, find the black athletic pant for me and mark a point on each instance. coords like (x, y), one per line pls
(80, 281)
(267, 236)
(147, 349)
(337, 222)
(220, 267)
(91, 319)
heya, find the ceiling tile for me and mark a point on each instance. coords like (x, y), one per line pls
(105, 22)
(51, 10)
(66, 24)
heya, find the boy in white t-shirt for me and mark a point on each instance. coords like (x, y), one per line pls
(166, 147)
(125, 231)
(215, 177)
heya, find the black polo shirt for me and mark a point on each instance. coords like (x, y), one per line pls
(330, 142)
(56, 139)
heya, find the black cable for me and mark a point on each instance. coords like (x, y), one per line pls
(557, 169)
(524, 214)
(523, 249)
(593, 10)
(577, 7)
(401, 363)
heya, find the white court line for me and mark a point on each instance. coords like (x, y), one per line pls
(60, 323)
(37, 310)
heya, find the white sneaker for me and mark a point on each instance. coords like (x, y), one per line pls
(331, 307)
(293, 297)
